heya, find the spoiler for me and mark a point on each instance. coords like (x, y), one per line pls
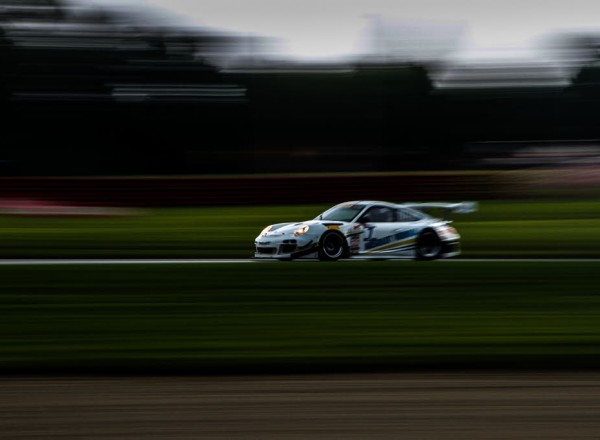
(457, 208)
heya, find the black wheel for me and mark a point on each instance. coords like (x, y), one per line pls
(332, 246)
(429, 245)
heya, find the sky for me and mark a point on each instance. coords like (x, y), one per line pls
(330, 28)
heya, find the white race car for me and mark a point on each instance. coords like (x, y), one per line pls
(366, 229)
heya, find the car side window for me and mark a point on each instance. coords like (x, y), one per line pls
(378, 214)
(406, 216)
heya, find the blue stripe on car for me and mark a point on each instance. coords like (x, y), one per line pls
(391, 238)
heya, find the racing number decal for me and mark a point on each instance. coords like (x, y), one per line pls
(369, 232)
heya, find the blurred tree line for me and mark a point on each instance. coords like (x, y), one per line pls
(81, 93)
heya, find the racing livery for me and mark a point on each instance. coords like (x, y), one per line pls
(366, 229)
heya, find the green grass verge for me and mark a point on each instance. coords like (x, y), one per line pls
(521, 229)
(286, 317)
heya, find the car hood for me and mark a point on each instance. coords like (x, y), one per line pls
(290, 228)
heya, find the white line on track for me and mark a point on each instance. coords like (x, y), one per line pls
(25, 262)
(524, 260)
(41, 262)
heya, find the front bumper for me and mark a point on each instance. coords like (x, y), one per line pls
(284, 247)
(450, 249)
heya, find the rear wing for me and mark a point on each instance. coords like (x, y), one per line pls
(457, 208)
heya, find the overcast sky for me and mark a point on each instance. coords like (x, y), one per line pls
(331, 27)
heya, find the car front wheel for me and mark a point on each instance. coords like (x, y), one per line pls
(332, 246)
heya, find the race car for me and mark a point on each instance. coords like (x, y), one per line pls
(366, 230)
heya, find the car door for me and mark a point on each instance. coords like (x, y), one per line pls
(384, 233)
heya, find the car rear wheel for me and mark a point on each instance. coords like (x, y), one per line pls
(429, 245)
(332, 246)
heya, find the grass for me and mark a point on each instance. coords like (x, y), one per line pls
(299, 317)
(500, 228)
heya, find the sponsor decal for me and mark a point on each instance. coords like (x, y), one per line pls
(355, 243)
(334, 227)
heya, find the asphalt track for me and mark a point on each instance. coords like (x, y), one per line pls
(419, 406)
(25, 262)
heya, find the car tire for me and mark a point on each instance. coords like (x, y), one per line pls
(429, 245)
(332, 246)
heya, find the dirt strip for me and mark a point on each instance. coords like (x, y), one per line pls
(412, 406)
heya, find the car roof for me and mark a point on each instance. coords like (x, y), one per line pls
(370, 203)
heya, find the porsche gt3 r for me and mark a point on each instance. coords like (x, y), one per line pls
(366, 229)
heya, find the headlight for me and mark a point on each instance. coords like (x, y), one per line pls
(267, 229)
(301, 230)
(448, 231)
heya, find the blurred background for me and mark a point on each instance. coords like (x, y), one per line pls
(172, 128)
(181, 87)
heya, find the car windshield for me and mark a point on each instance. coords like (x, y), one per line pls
(342, 213)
